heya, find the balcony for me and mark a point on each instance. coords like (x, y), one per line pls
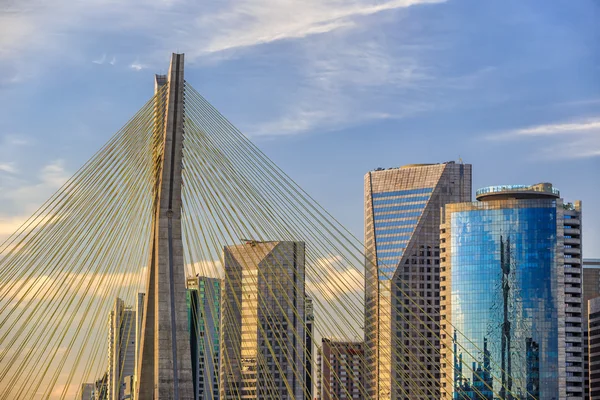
(573, 290)
(572, 279)
(572, 231)
(572, 250)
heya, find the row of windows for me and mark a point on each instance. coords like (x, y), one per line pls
(402, 192)
(388, 224)
(395, 238)
(380, 217)
(391, 231)
(397, 200)
(404, 207)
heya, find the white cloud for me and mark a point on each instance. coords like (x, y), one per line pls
(8, 167)
(340, 74)
(582, 126)
(28, 196)
(560, 140)
(136, 66)
(253, 22)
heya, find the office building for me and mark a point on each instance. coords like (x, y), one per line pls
(591, 290)
(594, 347)
(139, 316)
(309, 318)
(87, 391)
(341, 369)
(101, 388)
(402, 220)
(511, 286)
(121, 349)
(263, 331)
(204, 316)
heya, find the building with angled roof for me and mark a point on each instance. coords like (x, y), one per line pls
(402, 220)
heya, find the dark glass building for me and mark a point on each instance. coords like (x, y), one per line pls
(204, 319)
(504, 289)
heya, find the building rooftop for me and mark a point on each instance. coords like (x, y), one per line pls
(412, 166)
(503, 192)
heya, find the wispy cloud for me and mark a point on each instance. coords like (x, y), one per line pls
(8, 167)
(254, 22)
(28, 196)
(100, 60)
(560, 140)
(136, 66)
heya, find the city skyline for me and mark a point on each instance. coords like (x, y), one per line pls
(545, 107)
(412, 93)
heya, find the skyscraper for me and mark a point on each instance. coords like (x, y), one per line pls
(341, 370)
(263, 331)
(204, 315)
(121, 348)
(511, 286)
(594, 347)
(87, 390)
(402, 219)
(309, 318)
(591, 290)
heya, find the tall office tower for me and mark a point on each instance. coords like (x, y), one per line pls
(402, 221)
(121, 348)
(204, 316)
(511, 287)
(309, 319)
(341, 370)
(101, 388)
(87, 391)
(263, 332)
(591, 290)
(594, 347)
(139, 317)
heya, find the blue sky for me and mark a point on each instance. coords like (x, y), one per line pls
(329, 89)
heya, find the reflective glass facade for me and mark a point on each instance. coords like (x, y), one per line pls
(204, 318)
(394, 213)
(503, 291)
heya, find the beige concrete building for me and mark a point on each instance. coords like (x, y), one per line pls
(263, 331)
(402, 220)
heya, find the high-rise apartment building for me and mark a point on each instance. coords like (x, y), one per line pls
(121, 349)
(402, 220)
(204, 316)
(511, 296)
(341, 370)
(263, 323)
(594, 348)
(591, 290)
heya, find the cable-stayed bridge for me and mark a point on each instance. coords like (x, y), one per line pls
(180, 192)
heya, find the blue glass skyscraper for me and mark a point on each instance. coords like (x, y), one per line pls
(510, 304)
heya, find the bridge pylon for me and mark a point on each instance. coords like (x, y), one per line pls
(164, 366)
